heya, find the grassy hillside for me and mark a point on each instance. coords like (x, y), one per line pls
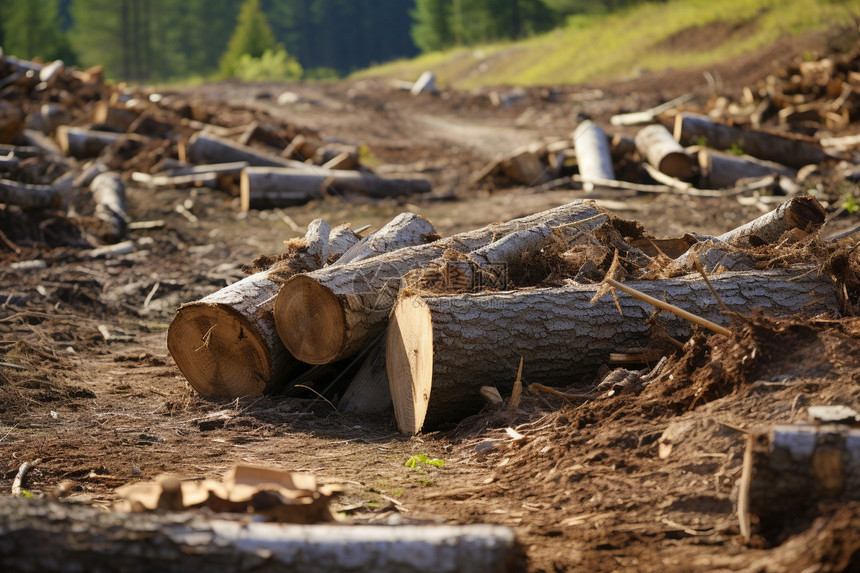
(676, 33)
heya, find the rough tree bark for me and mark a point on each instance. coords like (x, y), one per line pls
(226, 344)
(592, 154)
(109, 195)
(657, 145)
(441, 349)
(330, 314)
(719, 170)
(262, 187)
(42, 535)
(794, 151)
(207, 148)
(82, 143)
(789, 468)
(29, 196)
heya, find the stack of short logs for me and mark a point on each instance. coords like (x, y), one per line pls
(444, 317)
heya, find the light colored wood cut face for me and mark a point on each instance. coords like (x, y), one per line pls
(310, 320)
(217, 353)
(409, 362)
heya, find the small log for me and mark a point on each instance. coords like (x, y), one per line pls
(787, 149)
(592, 154)
(262, 187)
(89, 173)
(46, 535)
(790, 468)
(82, 143)
(426, 82)
(206, 148)
(115, 118)
(317, 241)
(226, 344)
(109, 195)
(29, 196)
(330, 314)
(720, 170)
(441, 349)
(209, 180)
(656, 144)
(524, 166)
(368, 392)
(804, 213)
(21, 151)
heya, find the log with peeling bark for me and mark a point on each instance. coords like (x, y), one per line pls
(368, 392)
(330, 314)
(45, 535)
(226, 344)
(29, 196)
(262, 187)
(109, 195)
(207, 148)
(788, 469)
(592, 154)
(441, 349)
(657, 145)
(720, 170)
(81, 143)
(787, 149)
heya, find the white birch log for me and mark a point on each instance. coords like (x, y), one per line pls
(592, 154)
(330, 314)
(441, 349)
(109, 195)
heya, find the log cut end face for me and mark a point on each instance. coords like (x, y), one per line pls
(409, 362)
(217, 352)
(310, 320)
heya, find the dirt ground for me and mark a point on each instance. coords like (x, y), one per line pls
(585, 488)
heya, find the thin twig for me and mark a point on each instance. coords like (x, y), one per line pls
(514, 402)
(18, 482)
(541, 389)
(699, 268)
(323, 398)
(669, 307)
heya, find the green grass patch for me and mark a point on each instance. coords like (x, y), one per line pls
(653, 36)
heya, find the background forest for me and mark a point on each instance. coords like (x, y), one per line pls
(150, 40)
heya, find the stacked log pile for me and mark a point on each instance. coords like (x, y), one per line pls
(426, 326)
(803, 117)
(60, 128)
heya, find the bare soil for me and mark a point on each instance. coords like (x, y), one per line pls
(586, 487)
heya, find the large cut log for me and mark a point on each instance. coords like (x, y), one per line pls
(82, 143)
(330, 314)
(592, 154)
(794, 151)
(44, 535)
(109, 195)
(441, 349)
(29, 196)
(262, 188)
(657, 145)
(719, 170)
(226, 344)
(207, 148)
(790, 468)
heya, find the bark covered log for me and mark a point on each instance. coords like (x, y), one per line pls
(794, 151)
(207, 148)
(29, 196)
(656, 143)
(82, 143)
(226, 344)
(262, 188)
(592, 154)
(330, 314)
(441, 349)
(790, 468)
(109, 195)
(42, 535)
(720, 170)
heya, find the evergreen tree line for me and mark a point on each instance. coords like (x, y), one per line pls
(147, 40)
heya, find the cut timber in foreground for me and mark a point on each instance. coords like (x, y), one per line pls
(441, 349)
(330, 314)
(226, 344)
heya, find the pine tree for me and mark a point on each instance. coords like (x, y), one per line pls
(31, 29)
(252, 36)
(433, 24)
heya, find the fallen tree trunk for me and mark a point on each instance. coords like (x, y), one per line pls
(82, 143)
(441, 349)
(226, 344)
(207, 148)
(789, 468)
(29, 196)
(786, 149)
(656, 144)
(720, 170)
(330, 314)
(262, 188)
(44, 535)
(592, 154)
(109, 195)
